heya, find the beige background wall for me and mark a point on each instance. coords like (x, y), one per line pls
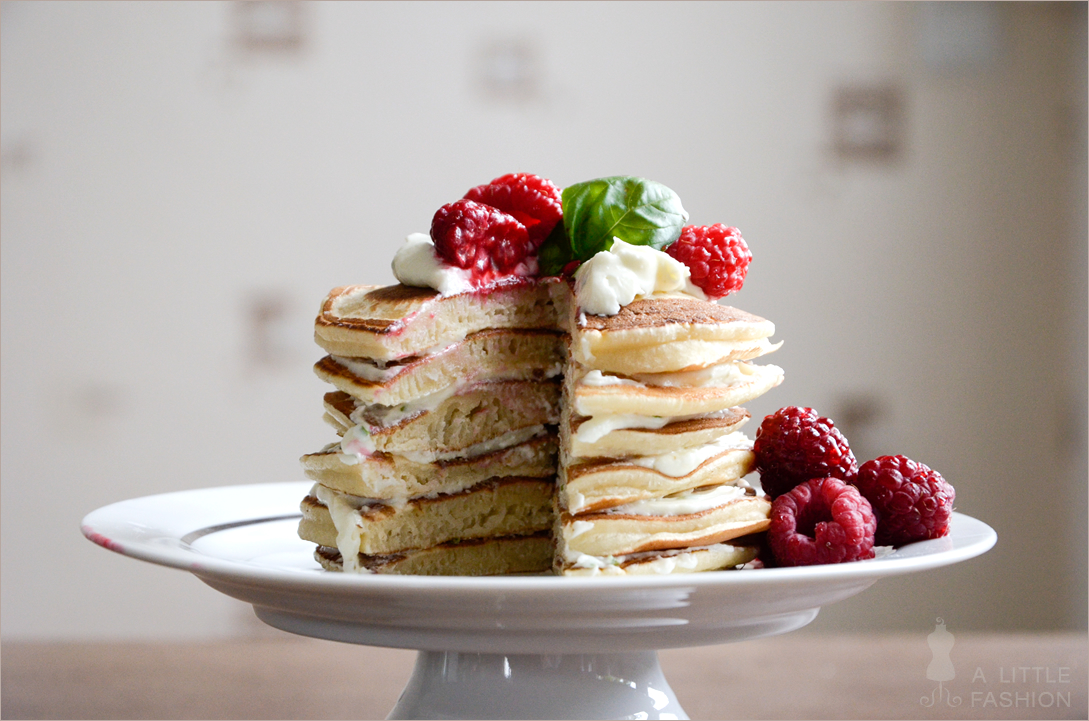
(176, 201)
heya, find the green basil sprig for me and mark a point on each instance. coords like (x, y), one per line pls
(638, 211)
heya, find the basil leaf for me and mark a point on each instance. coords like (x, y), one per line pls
(638, 211)
(555, 252)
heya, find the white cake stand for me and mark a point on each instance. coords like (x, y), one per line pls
(497, 647)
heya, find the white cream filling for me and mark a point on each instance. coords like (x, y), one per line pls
(720, 374)
(577, 528)
(597, 427)
(369, 370)
(685, 502)
(597, 378)
(594, 429)
(668, 564)
(583, 560)
(664, 561)
(677, 464)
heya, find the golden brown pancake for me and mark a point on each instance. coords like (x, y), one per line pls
(716, 557)
(475, 557)
(391, 322)
(497, 507)
(389, 477)
(602, 484)
(617, 534)
(681, 316)
(510, 354)
(475, 414)
(627, 442)
(648, 400)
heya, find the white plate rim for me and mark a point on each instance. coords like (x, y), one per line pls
(118, 528)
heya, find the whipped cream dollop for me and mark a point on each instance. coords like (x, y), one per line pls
(614, 278)
(417, 264)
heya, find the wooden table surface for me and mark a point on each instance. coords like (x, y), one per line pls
(794, 676)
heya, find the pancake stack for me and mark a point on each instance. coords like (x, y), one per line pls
(550, 387)
(446, 407)
(651, 476)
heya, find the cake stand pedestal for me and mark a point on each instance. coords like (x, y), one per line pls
(568, 682)
(496, 647)
(453, 685)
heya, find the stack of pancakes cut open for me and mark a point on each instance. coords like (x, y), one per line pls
(651, 477)
(447, 409)
(506, 431)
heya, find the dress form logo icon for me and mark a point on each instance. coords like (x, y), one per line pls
(940, 668)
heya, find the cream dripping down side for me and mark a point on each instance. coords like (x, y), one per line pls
(345, 514)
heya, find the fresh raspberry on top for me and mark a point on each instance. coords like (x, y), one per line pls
(823, 520)
(717, 257)
(534, 201)
(796, 444)
(912, 502)
(480, 238)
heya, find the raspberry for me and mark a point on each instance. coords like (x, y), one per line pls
(532, 200)
(717, 257)
(479, 238)
(912, 502)
(795, 444)
(823, 520)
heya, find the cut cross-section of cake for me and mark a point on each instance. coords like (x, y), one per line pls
(447, 408)
(652, 459)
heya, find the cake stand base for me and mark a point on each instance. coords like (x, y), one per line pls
(558, 674)
(453, 685)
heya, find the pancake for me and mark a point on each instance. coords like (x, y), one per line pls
(385, 476)
(618, 532)
(598, 485)
(476, 557)
(497, 507)
(659, 319)
(613, 394)
(474, 414)
(392, 322)
(626, 442)
(676, 356)
(463, 452)
(487, 355)
(695, 559)
(660, 334)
